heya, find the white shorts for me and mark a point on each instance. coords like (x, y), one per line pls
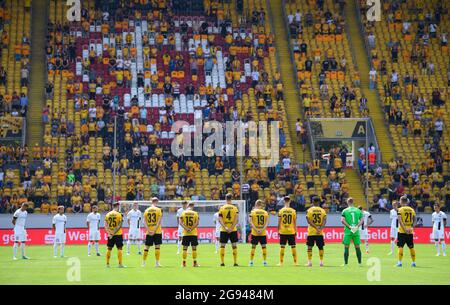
(364, 234)
(394, 232)
(180, 231)
(94, 235)
(217, 233)
(437, 234)
(20, 235)
(60, 238)
(134, 233)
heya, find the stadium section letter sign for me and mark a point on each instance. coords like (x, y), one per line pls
(80, 236)
(338, 128)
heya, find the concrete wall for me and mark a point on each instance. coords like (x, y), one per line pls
(206, 220)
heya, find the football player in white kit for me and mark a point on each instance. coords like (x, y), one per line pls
(20, 234)
(439, 220)
(217, 230)
(364, 229)
(59, 225)
(93, 223)
(134, 217)
(180, 228)
(394, 225)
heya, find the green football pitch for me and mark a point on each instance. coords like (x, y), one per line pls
(42, 268)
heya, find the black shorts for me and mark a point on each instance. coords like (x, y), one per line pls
(287, 238)
(315, 239)
(259, 239)
(225, 236)
(189, 241)
(156, 240)
(403, 238)
(116, 240)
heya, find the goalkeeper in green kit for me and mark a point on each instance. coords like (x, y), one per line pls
(352, 218)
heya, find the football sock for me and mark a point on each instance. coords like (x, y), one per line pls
(436, 244)
(22, 248)
(346, 255)
(222, 255)
(235, 255)
(252, 253)
(157, 254)
(392, 246)
(194, 255)
(108, 256)
(128, 246)
(96, 247)
(119, 256)
(309, 251)
(55, 249)
(294, 254)
(62, 249)
(264, 252)
(184, 255)
(281, 255)
(442, 245)
(367, 245)
(15, 249)
(412, 251)
(179, 245)
(145, 255)
(358, 254)
(400, 254)
(321, 255)
(139, 245)
(89, 248)
(217, 245)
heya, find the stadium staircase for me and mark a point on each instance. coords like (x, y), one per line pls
(292, 100)
(37, 75)
(356, 187)
(361, 58)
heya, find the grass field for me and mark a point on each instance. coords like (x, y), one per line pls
(42, 268)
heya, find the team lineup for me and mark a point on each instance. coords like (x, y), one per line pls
(356, 222)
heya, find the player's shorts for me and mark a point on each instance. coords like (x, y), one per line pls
(315, 239)
(180, 231)
(407, 239)
(134, 233)
(437, 234)
(116, 240)
(94, 235)
(60, 238)
(259, 239)
(364, 234)
(394, 232)
(20, 235)
(217, 233)
(287, 239)
(156, 240)
(189, 241)
(349, 237)
(225, 237)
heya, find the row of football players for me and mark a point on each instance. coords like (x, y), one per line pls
(356, 223)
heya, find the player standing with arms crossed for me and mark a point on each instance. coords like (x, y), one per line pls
(228, 218)
(189, 220)
(59, 226)
(113, 226)
(394, 225)
(180, 227)
(93, 223)
(134, 231)
(406, 220)
(152, 222)
(439, 220)
(317, 219)
(364, 230)
(259, 219)
(287, 229)
(20, 234)
(352, 218)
